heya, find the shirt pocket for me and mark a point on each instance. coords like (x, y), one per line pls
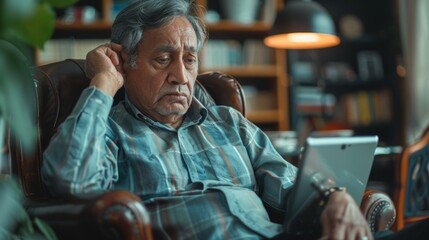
(156, 174)
(168, 172)
(231, 164)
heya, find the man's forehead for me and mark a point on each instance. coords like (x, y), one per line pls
(176, 34)
(172, 48)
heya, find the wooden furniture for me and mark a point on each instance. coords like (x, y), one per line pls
(411, 194)
(115, 214)
(270, 108)
(360, 74)
(266, 79)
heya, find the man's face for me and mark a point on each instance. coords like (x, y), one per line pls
(161, 85)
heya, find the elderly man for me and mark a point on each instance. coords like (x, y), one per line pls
(202, 172)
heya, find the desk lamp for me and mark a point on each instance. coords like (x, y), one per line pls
(302, 24)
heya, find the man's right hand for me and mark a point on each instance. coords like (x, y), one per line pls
(342, 219)
(103, 66)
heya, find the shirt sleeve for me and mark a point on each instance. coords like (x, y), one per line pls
(274, 175)
(80, 157)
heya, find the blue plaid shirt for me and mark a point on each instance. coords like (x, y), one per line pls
(205, 180)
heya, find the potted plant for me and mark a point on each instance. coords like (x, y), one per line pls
(24, 26)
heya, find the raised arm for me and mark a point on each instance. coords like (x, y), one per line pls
(81, 157)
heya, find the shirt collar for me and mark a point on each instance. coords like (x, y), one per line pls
(196, 114)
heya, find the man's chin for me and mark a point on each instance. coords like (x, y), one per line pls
(174, 111)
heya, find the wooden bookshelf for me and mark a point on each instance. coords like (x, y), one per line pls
(71, 40)
(266, 76)
(365, 103)
(99, 25)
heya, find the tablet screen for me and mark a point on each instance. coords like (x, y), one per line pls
(328, 162)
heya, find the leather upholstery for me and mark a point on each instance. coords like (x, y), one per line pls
(378, 210)
(115, 214)
(112, 215)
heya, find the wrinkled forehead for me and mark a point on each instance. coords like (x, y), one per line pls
(176, 34)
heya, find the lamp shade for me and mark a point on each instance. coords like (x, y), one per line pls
(302, 24)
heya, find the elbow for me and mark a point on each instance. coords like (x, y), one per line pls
(63, 184)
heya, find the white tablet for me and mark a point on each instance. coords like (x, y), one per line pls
(329, 162)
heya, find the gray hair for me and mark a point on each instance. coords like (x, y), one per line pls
(128, 27)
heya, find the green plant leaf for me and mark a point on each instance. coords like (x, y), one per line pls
(10, 200)
(15, 223)
(26, 228)
(38, 28)
(45, 229)
(13, 214)
(62, 3)
(17, 94)
(12, 9)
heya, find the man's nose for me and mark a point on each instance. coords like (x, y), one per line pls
(178, 73)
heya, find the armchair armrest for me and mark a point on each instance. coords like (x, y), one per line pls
(110, 215)
(378, 210)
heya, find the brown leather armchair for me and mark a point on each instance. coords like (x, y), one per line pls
(115, 214)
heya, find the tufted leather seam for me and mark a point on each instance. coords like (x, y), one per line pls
(377, 210)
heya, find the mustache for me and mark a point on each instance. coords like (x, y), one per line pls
(180, 90)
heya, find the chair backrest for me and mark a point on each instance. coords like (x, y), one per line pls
(58, 86)
(411, 195)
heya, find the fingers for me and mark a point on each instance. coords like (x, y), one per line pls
(103, 66)
(340, 230)
(333, 228)
(116, 47)
(114, 53)
(342, 219)
(106, 57)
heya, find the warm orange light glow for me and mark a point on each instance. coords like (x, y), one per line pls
(401, 71)
(301, 40)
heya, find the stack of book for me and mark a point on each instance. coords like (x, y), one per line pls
(229, 53)
(60, 49)
(313, 101)
(364, 108)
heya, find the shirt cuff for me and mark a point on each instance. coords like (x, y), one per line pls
(93, 100)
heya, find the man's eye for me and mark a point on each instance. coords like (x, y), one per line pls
(163, 60)
(191, 61)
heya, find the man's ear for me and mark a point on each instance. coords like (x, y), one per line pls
(125, 61)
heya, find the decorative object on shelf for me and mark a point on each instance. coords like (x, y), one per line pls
(304, 71)
(84, 14)
(370, 65)
(339, 72)
(313, 101)
(351, 26)
(302, 24)
(212, 16)
(240, 11)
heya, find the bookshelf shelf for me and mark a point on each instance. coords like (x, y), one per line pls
(263, 116)
(228, 26)
(102, 25)
(360, 74)
(258, 65)
(261, 68)
(259, 71)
